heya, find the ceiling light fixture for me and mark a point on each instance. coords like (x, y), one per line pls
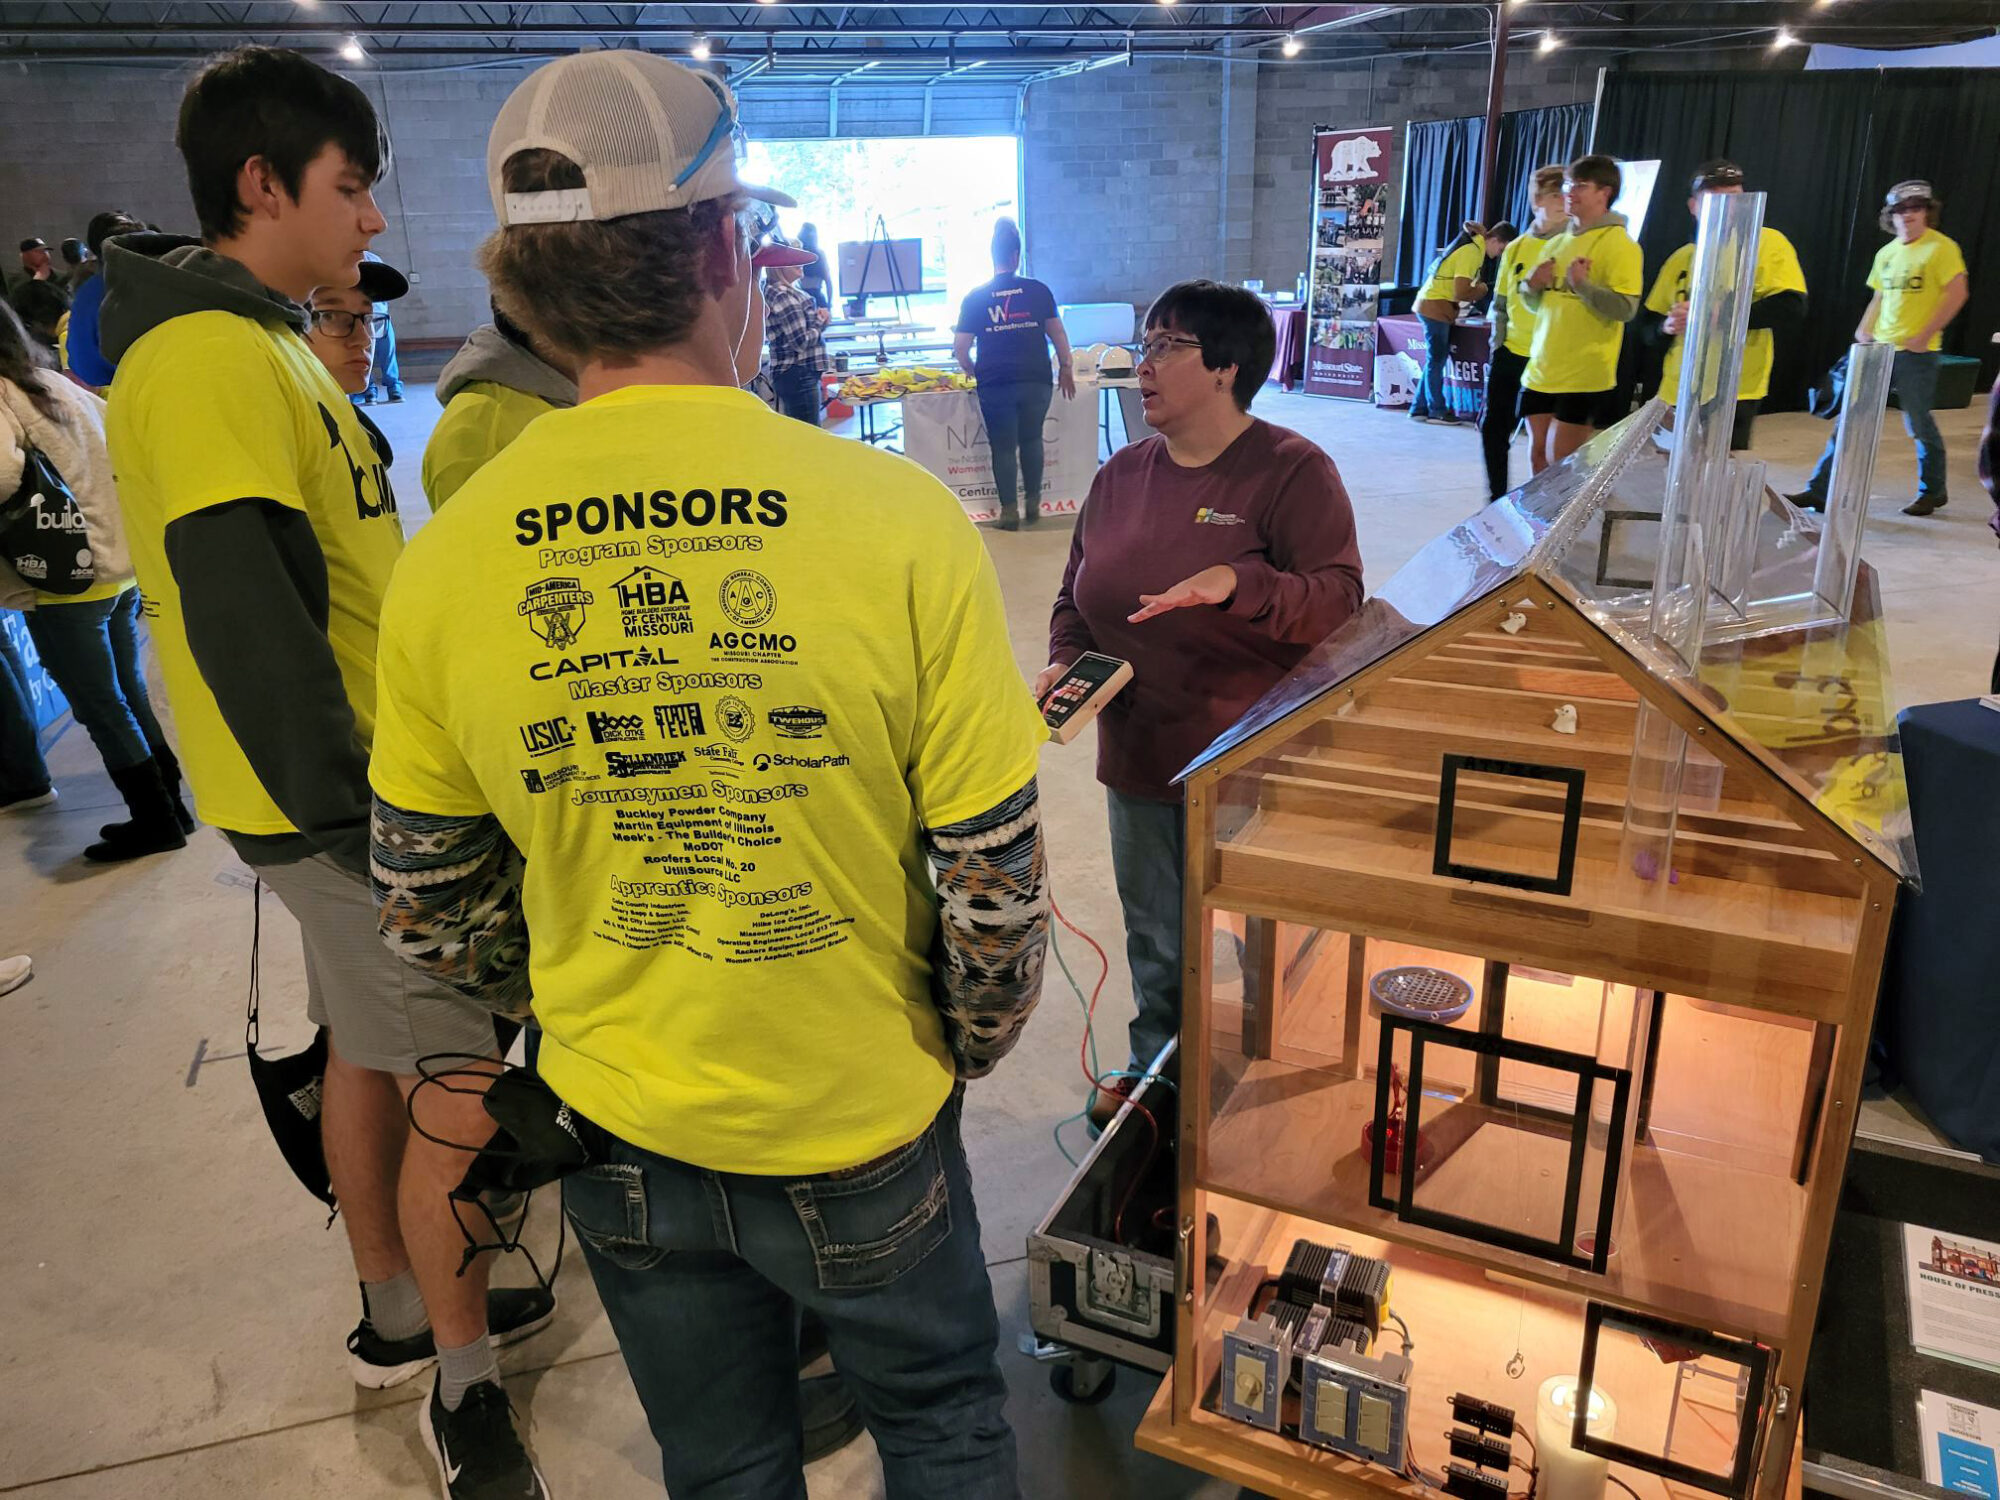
(1292, 45)
(1549, 42)
(700, 50)
(1169, 2)
(351, 50)
(1783, 39)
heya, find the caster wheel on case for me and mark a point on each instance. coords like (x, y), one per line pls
(1084, 1382)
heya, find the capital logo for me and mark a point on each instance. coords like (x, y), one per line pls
(608, 727)
(653, 603)
(734, 718)
(679, 721)
(799, 722)
(748, 598)
(545, 736)
(554, 609)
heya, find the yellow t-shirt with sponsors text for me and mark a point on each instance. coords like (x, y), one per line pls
(713, 671)
(1778, 270)
(1517, 263)
(210, 408)
(1464, 261)
(1912, 279)
(1576, 350)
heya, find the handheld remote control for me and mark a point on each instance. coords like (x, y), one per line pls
(1092, 681)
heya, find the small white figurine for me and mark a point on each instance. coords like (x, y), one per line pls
(1513, 623)
(1565, 720)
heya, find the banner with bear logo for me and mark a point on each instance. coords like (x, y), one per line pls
(1350, 206)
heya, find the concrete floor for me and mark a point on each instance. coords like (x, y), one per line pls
(179, 1304)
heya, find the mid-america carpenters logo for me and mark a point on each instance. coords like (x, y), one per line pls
(653, 603)
(748, 598)
(554, 610)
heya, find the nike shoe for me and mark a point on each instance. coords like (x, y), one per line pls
(512, 1313)
(478, 1448)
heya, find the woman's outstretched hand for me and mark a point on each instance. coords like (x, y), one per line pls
(1216, 585)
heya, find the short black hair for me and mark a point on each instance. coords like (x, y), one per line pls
(1602, 170)
(72, 251)
(104, 226)
(277, 104)
(1233, 325)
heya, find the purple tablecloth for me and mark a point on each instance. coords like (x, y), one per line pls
(1289, 368)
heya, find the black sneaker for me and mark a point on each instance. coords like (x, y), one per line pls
(512, 1313)
(478, 1448)
(1923, 505)
(1807, 500)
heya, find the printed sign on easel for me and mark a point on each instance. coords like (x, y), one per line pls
(1350, 206)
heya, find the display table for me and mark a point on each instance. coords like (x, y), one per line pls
(1936, 1029)
(945, 433)
(1289, 368)
(1465, 375)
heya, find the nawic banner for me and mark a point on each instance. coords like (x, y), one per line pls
(944, 432)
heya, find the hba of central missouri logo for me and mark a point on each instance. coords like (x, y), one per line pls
(554, 608)
(653, 603)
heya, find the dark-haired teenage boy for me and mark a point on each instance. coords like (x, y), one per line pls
(264, 529)
(1583, 292)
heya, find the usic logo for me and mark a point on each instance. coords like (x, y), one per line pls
(545, 736)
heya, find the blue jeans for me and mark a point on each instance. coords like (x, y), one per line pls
(1148, 859)
(1915, 382)
(701, 1274)
(92, 651)
(386, 369)
(1430, 400)
(23, 772)
(798, 393)
(1014, 412)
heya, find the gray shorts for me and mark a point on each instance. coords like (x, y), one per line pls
(383, 1014)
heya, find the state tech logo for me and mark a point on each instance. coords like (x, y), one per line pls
(554, 610)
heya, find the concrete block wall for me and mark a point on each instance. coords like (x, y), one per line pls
(1133, 177)
(1123, 174)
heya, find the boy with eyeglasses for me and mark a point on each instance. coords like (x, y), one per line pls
(737, 791)
(264, 530)
(1583, 292)
(1920, 286)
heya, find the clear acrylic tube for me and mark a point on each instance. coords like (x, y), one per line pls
(1870, 368)
(1721, 286)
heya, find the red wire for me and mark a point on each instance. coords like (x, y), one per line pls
(1096, 1086)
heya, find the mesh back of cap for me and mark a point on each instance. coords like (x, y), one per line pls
(631, 120)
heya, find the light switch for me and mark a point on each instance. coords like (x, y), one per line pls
(1371, 1425)
(1330, 1409)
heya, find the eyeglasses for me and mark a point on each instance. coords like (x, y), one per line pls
(1161, 345)
(336, 324)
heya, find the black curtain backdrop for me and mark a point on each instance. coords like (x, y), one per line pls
(1825, 147)
(1441, 175)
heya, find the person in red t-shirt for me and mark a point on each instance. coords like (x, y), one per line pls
(1211, 556)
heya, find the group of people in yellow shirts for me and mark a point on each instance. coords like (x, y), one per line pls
(1566, 288)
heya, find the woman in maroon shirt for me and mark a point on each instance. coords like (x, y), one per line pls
(1212, 557)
